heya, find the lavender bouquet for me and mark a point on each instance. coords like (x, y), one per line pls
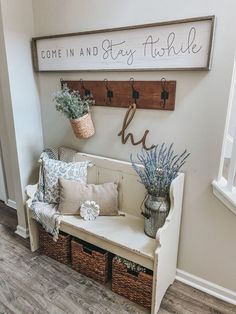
(160, 167)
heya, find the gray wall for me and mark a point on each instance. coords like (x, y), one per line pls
(207, 242)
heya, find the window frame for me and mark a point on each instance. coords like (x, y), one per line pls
(223, 188)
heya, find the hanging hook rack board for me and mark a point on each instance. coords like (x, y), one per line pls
(148, 94)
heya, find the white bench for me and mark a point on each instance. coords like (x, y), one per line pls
(124, 235)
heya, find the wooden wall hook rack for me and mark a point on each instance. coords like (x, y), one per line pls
(158, 95)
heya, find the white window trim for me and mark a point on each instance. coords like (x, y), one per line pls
(228, 198)
(223, 188)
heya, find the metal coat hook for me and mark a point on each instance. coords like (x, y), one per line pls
(156, 95)
(86, 91)
(62, 82)
(135, 93)
(164, 93)
(109, 91)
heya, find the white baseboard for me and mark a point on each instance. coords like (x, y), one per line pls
(11, 203)
(23, 232)
(206, 286)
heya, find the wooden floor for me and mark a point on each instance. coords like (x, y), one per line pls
(33, 283)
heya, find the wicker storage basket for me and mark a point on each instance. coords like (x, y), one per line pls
(137, 287)
(83, 127)
(90, 260)
(59, 250)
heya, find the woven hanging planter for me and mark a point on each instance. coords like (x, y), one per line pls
(83, 127)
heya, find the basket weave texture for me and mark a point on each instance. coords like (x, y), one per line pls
(83, 127)
(59, 250)
(90, 262)
(137, 288)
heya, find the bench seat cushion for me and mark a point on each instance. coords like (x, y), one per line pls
(121, 235)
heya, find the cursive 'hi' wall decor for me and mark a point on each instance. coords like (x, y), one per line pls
(182, 44)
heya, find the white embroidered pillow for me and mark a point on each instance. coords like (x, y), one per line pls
(55, 169)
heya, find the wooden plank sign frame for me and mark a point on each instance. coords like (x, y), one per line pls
(175, 45)
(151, 94)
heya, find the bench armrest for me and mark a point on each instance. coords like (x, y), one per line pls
(30, 190)
(168, 238)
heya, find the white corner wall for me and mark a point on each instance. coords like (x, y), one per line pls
(207, 242)
(5, 119)
(3, 196)
(20, 98)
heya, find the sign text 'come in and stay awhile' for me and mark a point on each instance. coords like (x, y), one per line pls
(183, 44)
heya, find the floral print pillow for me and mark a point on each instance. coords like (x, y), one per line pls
(51, 153)
(55, 169)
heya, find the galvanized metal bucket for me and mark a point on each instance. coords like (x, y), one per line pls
(156, 209)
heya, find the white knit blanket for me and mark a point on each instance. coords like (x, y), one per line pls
(48, 216)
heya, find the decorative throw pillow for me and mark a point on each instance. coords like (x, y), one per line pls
(55, 169)
(51, 153)
(73, 194)
(66, 154)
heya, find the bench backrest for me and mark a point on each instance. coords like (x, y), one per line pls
(131, 191)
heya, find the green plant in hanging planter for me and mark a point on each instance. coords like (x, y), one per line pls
(77, 109)
(72, 104)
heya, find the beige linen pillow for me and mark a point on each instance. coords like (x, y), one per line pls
(73, 194)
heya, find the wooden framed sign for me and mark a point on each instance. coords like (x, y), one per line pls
(181, 45)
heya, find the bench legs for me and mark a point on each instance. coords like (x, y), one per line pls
(33, 231)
